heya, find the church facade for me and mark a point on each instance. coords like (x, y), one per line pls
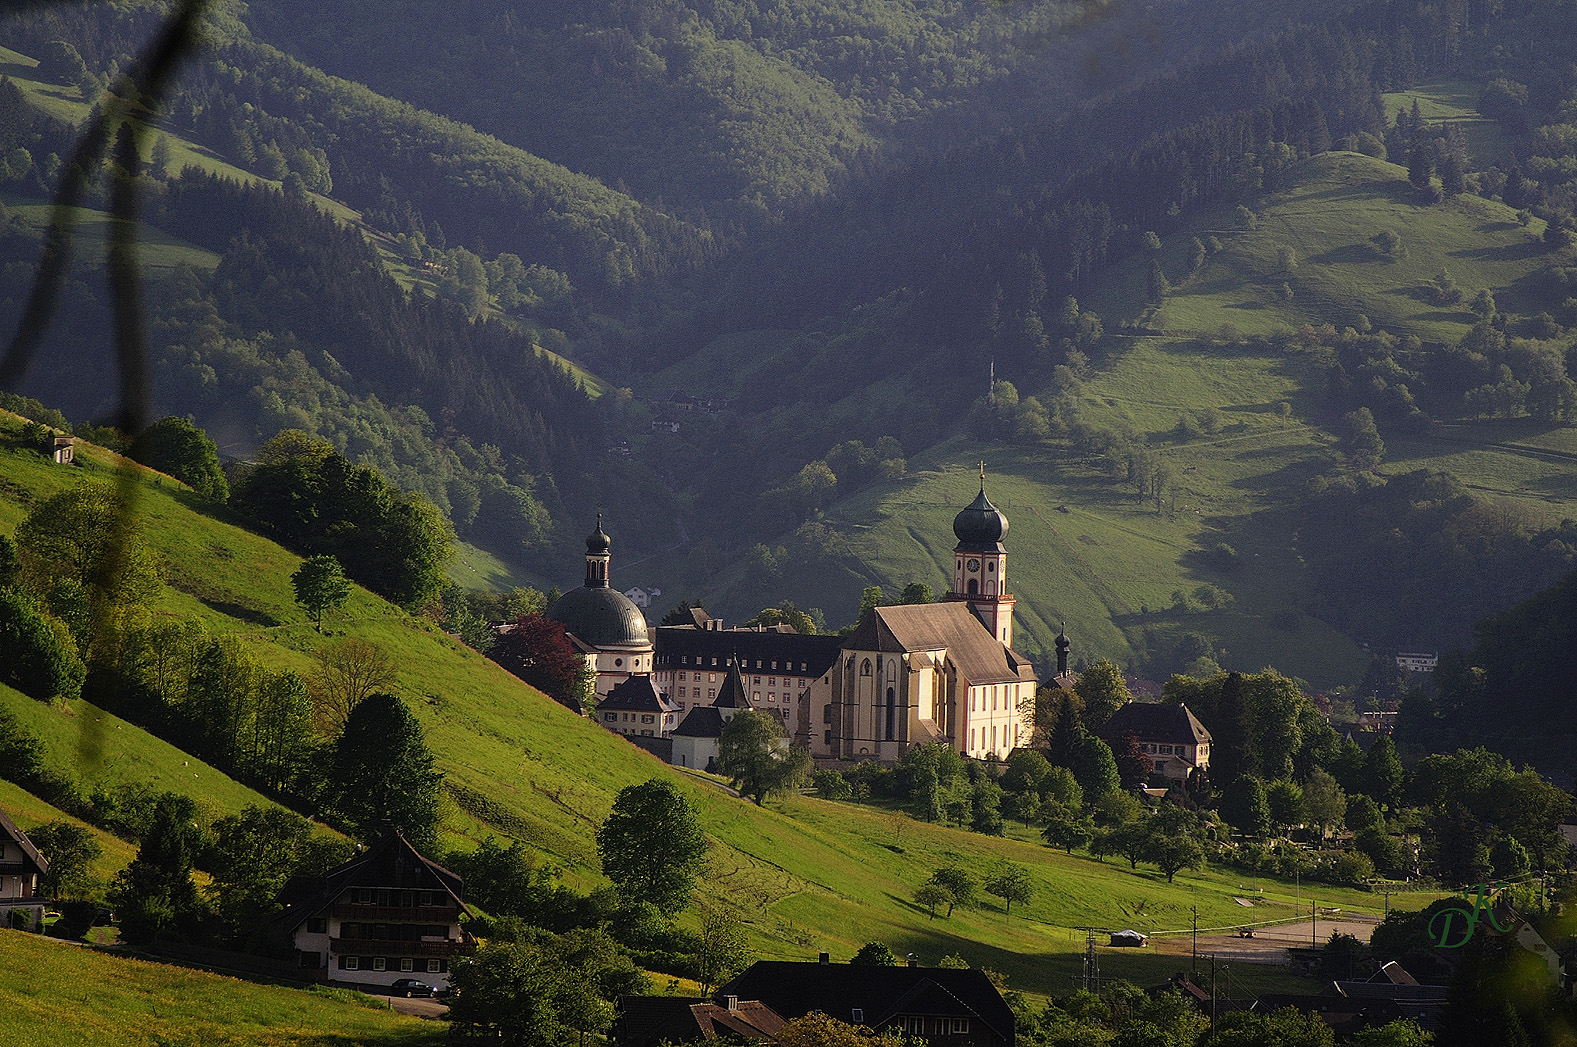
(946, 672)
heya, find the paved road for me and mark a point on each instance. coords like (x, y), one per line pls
(1269, 944)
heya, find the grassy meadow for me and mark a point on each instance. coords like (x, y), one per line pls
(58, 995)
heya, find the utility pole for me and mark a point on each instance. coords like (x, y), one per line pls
(1314, 925)
(1196, 939)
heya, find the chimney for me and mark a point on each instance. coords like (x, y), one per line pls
(731, 1003)
(913, 960)
(824, 958)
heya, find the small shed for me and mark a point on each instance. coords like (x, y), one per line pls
(1128, 939)
(65, 451)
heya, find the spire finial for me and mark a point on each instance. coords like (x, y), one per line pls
(982, 476)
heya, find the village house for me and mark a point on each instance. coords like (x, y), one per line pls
(637, 707)
(22, 869)
(1170, 735)
(943, 1006)
(650, 1021)
(389, 913)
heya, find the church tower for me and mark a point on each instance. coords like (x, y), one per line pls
(980, 564)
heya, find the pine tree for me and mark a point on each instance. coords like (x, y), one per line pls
(1420, 162)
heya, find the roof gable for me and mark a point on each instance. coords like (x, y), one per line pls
(17, 836)
(391, 862)
(638, 694)
(703, 721)
(1156, 722)
(981, 658)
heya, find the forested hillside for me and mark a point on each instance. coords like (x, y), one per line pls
(829, 222)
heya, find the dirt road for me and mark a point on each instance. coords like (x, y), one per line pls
(1269, 944)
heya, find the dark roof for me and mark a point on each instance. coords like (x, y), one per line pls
(880, 994)
(703, 721)
(391, 862)
(733, 695)
(9, 828)
(598, 543)
(980, 526)
(952, 626)
(683, 646)
(1156, 722)
(601, 616)
(645, 1021)
(637, 694)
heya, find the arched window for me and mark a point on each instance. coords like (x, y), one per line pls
(991, 587)
(892, 713)
(865, 667)
(974, 587)
(892, 669)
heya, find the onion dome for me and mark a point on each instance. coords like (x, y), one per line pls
(598, 543)
(980, 526)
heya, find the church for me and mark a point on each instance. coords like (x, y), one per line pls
(909, 675)
(943, 672)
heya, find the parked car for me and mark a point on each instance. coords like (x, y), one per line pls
(409, 987)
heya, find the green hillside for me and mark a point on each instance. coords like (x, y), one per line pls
(57, 995)
(1084, 549)
(810, 875)
(1335, 206)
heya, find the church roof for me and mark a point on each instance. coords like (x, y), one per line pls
(980, 526)
(601, 617)
(637, 694)
(703, 721)
(1156, 722)
(733, 694)
(951, 626)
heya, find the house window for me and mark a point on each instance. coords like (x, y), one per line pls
(364, 897)
(960, 1025)
(1166, 750)
(427, 898)
(772, 681)
(756, 681)
(826, 714)
(379, 963)
(318, 925)
(827, 737)
(858, 1013)
(648, 719)
(407, 964)
(350, 963)
(755, 696)
(610, 717)
(711, 677)
(434, 966)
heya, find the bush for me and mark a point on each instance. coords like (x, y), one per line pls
(40, 659)
(830, 785)
(177, 447)
(1351, 869)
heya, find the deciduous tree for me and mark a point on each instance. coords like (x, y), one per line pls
(753, 754)
(321, 586)
(652, 843)
(537, 650)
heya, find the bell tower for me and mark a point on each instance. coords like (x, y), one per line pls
(598, 547)
(980, 564)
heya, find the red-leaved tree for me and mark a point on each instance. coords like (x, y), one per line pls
(537, 650)
(1133, 763)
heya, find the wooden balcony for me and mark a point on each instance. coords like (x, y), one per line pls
(387, 947)
(396, 913)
